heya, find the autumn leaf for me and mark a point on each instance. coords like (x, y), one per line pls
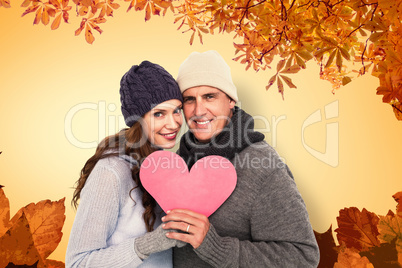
(5, 3)
(327, 246)
(397, 108)
(357, 229)
(280, 65)
(56, 22)
(88, 24)
(271, 82)
(339, 60)
(32, 234)
(383, 256)
(17, 246)
(89, 37)
(280, 86)
(107, 7)
(350, 258)
(291, 70)
(46, 220)
(61, 8)
(288, 81)
(30, 9)
(43, 11)
(346, 80)
(12, 265)
(4, 213)
(390, 228)
(54, 264)
(151, 7)
(398, 199)
(192, 38)
(390, 87)
(38, 15)
(344, 52)
(283, 68)
(331, 74)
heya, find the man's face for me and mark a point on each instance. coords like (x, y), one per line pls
(207, 111)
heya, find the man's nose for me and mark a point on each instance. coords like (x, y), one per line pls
(200, 109)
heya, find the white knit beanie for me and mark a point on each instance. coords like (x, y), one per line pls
(206, 69)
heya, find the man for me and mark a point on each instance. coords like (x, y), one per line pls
(264, 223)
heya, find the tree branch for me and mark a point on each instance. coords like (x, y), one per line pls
(283, 9)
(291, 5)
(272, 48)
(248, 7)
(306, 4)
(354, 30)
(336, 3)
(245, 12)
(394, 106)
(364, 51)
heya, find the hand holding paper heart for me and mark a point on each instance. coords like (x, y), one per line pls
(204, 189)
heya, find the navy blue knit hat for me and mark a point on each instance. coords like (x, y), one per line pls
(143, 87)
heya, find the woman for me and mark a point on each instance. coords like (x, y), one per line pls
(117, 220)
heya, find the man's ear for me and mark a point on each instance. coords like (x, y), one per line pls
(232, 103)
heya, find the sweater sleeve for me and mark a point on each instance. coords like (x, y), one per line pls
(95, 222)
(281, 234)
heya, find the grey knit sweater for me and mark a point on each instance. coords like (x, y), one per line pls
(264, 223)
(108, 221)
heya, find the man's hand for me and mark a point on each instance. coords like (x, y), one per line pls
(194, 225)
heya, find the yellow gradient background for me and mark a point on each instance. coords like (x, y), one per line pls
(59, 96)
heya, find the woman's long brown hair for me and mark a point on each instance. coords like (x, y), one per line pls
(129, 141)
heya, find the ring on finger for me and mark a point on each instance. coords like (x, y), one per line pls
(188, 228)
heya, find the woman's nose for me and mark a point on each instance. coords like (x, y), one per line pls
(173, 121)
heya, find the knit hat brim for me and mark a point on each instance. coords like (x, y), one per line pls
(211, 79)
(206, 69)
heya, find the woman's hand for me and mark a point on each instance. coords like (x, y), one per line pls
(155, 241)
(194, 225)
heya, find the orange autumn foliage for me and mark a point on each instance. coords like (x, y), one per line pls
(32, 234)
(346, 38)
(365, 239)
(358, 229)
(351, 258)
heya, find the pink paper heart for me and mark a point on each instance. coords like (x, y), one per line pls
(209, 183)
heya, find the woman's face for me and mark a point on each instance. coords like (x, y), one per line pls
(162, 124)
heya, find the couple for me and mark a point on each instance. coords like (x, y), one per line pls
(264, 223)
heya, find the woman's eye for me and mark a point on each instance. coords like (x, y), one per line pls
(158, 114)
(177, 111)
